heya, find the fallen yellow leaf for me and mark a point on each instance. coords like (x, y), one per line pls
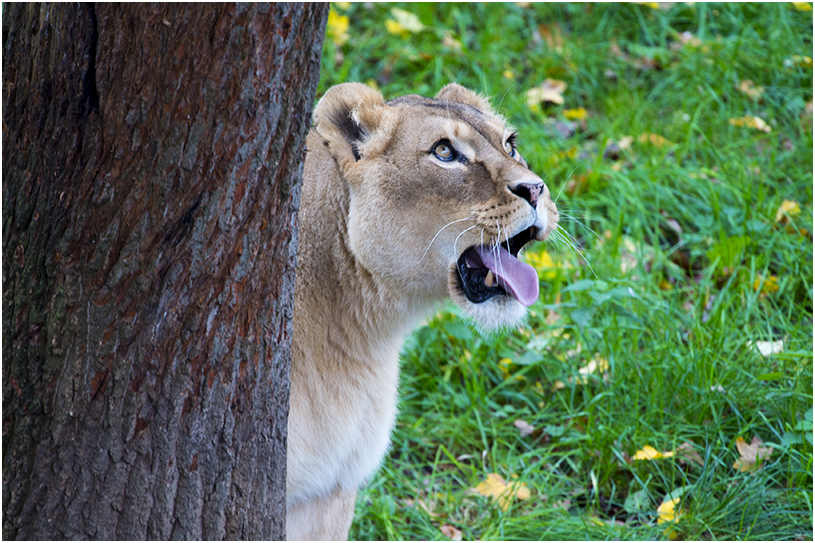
(407, 20)
(625, 142)
(751, 122)
(496, 487)
(786, 211)
(752, 455)
(395, 28)
(650, 453)
(337, 28)
(522, 492)
(800, 60)
(542, 261)
(598, 365)
(508, 75)
(575, 114)
(551, 90)
(594, 366)
(505, 365)
(654, 139)
(749, 88)
(767, 286)
(667, 513)
(802, 6)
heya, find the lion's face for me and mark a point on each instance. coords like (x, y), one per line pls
(441, 199)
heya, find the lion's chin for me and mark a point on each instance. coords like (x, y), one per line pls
(497, 313)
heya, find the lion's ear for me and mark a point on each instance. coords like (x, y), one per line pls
(454, 92)
(348, 117)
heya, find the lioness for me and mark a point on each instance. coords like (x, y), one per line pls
(403, 204)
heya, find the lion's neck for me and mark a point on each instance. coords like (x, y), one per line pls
(353, 316)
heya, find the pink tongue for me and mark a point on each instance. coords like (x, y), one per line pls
(518, 279)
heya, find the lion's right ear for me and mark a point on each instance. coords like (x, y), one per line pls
(351, 117)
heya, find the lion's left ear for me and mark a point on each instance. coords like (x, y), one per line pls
(454, 92)
(351, 117)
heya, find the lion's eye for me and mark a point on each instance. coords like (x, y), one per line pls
(443, 151)
(509, 148)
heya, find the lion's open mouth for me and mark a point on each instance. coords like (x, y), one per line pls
(486, 271)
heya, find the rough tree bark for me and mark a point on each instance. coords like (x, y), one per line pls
(152, 157)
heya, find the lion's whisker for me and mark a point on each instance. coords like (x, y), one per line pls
(455, 251)
(565, 182)
(581, 224)
(571, 245)
(439, 232)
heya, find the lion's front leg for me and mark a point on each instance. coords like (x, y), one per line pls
(322, 518)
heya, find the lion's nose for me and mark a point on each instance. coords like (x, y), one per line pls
(528, 191)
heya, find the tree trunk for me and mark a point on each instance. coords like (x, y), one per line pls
(152, 158)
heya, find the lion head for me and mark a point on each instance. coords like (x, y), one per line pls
(440, 199)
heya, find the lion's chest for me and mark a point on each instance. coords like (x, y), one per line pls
(339, 428)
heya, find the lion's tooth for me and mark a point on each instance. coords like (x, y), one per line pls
(488, 279)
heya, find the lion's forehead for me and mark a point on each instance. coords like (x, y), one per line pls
(464, 120)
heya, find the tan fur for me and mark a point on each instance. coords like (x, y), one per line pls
(378, 250)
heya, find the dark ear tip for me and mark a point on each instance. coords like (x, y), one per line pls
(350, 130)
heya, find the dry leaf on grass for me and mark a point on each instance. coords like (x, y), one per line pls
(751, 122)
(450, 42)
(667, 513)
(524, 427)
(496, 487)
(749, 88)
(654, 139)
(752, 455)
(595, 366)
(686, 451)
(766, 348)
(407, 20)
(786, 211)
(577, 114)
(686, 38)
(550, 90)
(450, 532)
(552, 35)
(650, 453)
(766, 286)
(798, 60)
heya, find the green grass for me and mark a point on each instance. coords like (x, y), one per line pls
(675, 240)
